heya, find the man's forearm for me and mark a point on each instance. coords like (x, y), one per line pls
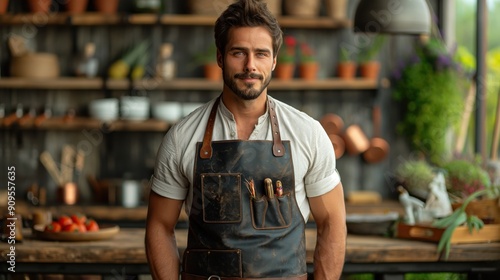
(163, 256)
(329, 254)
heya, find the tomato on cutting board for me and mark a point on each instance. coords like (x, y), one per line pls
(71, 228)
(64, 221)
(53, 227)
(92, 225)
(78, 218)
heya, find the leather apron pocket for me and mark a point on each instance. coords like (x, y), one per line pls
(223, 263)
(221, 197)
(271, 213)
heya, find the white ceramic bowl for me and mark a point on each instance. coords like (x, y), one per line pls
(134, 107)
(104, 109)
(167, 111)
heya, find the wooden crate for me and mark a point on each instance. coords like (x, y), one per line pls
(489, 233)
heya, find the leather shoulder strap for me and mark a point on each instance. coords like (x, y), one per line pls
(206, 147)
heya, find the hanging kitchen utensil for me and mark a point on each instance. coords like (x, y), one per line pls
(67, 163)
(379, 148)
(51, 167)
(332, 123)
(338, 145)
(355, 140)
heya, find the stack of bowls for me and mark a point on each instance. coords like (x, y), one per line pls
(134, 108)
(104, 109)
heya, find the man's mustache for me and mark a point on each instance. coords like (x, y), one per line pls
(248, 76)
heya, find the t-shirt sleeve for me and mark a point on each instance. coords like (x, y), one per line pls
(322, 175)
(167, 179)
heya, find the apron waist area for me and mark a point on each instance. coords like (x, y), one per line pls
(187, 276)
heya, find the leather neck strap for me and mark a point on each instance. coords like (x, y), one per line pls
(206, 148)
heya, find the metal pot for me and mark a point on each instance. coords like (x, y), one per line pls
(379, 148)
(355, 140)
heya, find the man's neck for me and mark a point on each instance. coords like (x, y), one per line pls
(246, 112)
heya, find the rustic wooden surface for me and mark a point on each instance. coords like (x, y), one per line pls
(127, 247)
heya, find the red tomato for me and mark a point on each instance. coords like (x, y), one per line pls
(82, 228)
(64, 221)
(78, 218)
(92, 225)
(53, 227)
(71, 228)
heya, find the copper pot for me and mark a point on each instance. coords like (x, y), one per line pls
(332, 123)
(355, 140)
(338, 145)
(379, 148)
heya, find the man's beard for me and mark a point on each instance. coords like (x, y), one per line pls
(249, 93)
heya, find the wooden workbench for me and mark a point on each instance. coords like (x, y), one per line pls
(125, 251)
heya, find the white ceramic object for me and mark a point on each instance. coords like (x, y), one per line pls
(134, 107)
(167, 111)
(187, 108)
(104, 109)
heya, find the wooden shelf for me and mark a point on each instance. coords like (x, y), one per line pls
(84, 123)
(68, 83)
(93, 18)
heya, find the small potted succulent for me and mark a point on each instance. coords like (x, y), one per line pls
(369, 66)
(346, 68)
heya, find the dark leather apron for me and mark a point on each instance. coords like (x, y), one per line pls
(232, 232)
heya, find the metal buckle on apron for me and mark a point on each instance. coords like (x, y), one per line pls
(213, 277)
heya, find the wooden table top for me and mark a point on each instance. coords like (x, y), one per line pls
(127, 247)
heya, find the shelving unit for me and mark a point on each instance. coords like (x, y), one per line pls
(149, 19)
(70, 83)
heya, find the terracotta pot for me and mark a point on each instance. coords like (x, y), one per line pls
(336, 9)
(284, 71)
(369, 70)
(4, 4)
(309, 71)
(212, 71)
(106, 6)
(346, 70)
(76, 6)
(39, 6)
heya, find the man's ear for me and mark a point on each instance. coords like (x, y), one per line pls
(219, 59)
(274, 63)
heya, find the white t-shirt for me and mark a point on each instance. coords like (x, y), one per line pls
(312, 152)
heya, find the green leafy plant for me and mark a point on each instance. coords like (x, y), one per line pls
(372, 50)
(456, 219)
(465, 177)
(307, 54)
(415, 175)
(288, 50)
(430, 91)
(345, 55)
(209, 55)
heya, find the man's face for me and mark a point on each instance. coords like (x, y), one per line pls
(248, 61)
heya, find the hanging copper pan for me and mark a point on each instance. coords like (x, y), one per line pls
(379, 148)
(332, 123)
(338, 145)
(355, 140)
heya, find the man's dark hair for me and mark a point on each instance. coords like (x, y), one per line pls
(247, 13)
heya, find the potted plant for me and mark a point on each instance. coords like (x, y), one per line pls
(369, 66)
(346, 68)
(430, 95)
(208, 59)
(285, 65)
(76, 6)
(415, 175)
(39, 6)
(308, 65)
(106, 6)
